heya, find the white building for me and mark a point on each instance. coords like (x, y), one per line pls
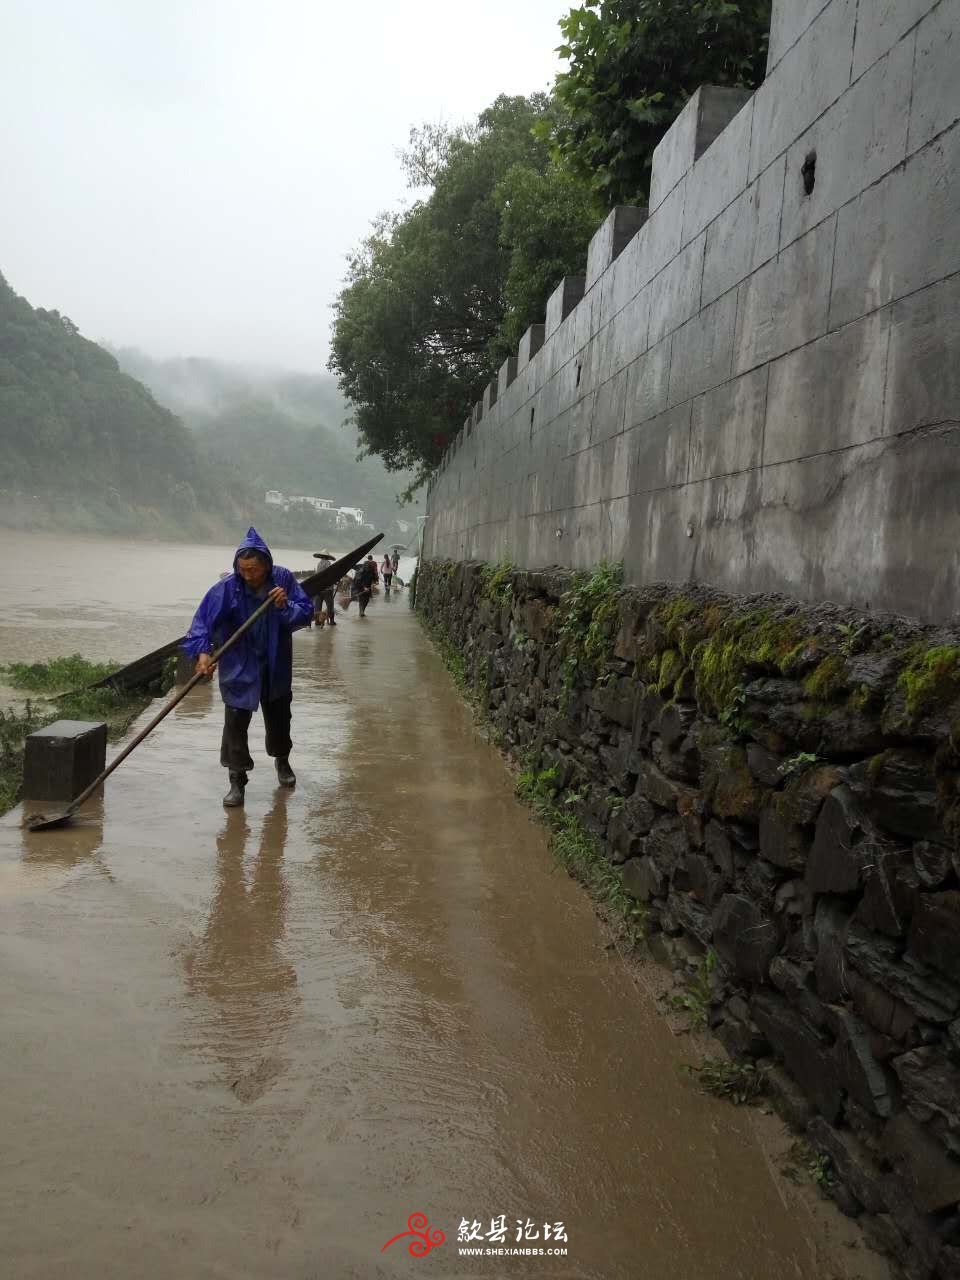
(318, 504)
(352, 513)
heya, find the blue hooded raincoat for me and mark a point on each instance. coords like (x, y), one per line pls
(225, 607)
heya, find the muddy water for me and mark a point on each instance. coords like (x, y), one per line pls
(253, 1043)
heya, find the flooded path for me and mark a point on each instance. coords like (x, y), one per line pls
(253, 1043)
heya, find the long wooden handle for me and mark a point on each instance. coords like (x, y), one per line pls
(162, 714)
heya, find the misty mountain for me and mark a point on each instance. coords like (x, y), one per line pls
(196, 387)
(274, 428)
(85, 445)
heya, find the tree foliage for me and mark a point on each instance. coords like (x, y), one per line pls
(632, 66)
(436, 296)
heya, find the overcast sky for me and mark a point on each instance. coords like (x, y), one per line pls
(187, 176)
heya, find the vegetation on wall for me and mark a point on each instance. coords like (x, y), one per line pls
(632, 66)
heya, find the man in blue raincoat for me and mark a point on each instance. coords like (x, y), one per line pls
(257, 670)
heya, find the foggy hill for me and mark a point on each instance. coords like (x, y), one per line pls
(277, 429)
(86, 446)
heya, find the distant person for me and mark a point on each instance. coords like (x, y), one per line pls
(363, 579)
(326, 600)
(257, 670)
(396, 562)
(386, 573)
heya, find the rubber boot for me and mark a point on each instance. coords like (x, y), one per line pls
(285, 775)
(234, 796)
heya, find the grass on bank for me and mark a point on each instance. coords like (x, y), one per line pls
(736, 1082)
(57, 675)
(580, 852)
(117, 710)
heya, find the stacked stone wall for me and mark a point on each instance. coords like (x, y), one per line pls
(756, 383)
(780, 786)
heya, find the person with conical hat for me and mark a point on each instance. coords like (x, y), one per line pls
(258, 669)
(326, 601)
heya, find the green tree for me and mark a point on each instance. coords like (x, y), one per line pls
(547, 217)
(632, 66)
(436, 297)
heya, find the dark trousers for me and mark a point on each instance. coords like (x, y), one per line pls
(327, 600)
(234, 752)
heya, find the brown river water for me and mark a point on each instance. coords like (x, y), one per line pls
(253, 1043)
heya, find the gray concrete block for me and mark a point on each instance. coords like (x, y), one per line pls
(618, 227)
(719, 175)
(880, 24)
(648, 381)
(899, 554)
(586, 318)
(623, 466)
(619, 285)
(593, 473)
(625, 337)
(784, 304)
(508, 372)
(610, 407)
(581, 419)
(675, 293)
(62, 759)
(808, 80)
(490, 394)
(660, 236)
(530, 344)
(936, 86)
(657, 546)
(923, 364)
(662, 450)
(745, 235)
(568, 384)
(559, 350)
(721, 546)
(700, 122)
(829, 394)
(859, 139)
(900, 234)
(703, 350)
(726, 427)
(789, 19)
(562, 301)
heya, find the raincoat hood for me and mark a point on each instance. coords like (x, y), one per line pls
(252, 542)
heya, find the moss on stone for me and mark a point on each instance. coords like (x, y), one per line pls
(929, 676)
(828, 678)
(875, 766)
(859, 700)
(684, 687)
(671, 665)
(723, 645)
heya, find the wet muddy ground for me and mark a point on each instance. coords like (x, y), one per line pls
(253, 1043)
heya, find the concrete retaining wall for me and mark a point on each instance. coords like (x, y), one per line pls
(755, 386)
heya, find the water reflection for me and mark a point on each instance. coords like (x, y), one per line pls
(238, 963)
(196, 705)
(79, 841)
